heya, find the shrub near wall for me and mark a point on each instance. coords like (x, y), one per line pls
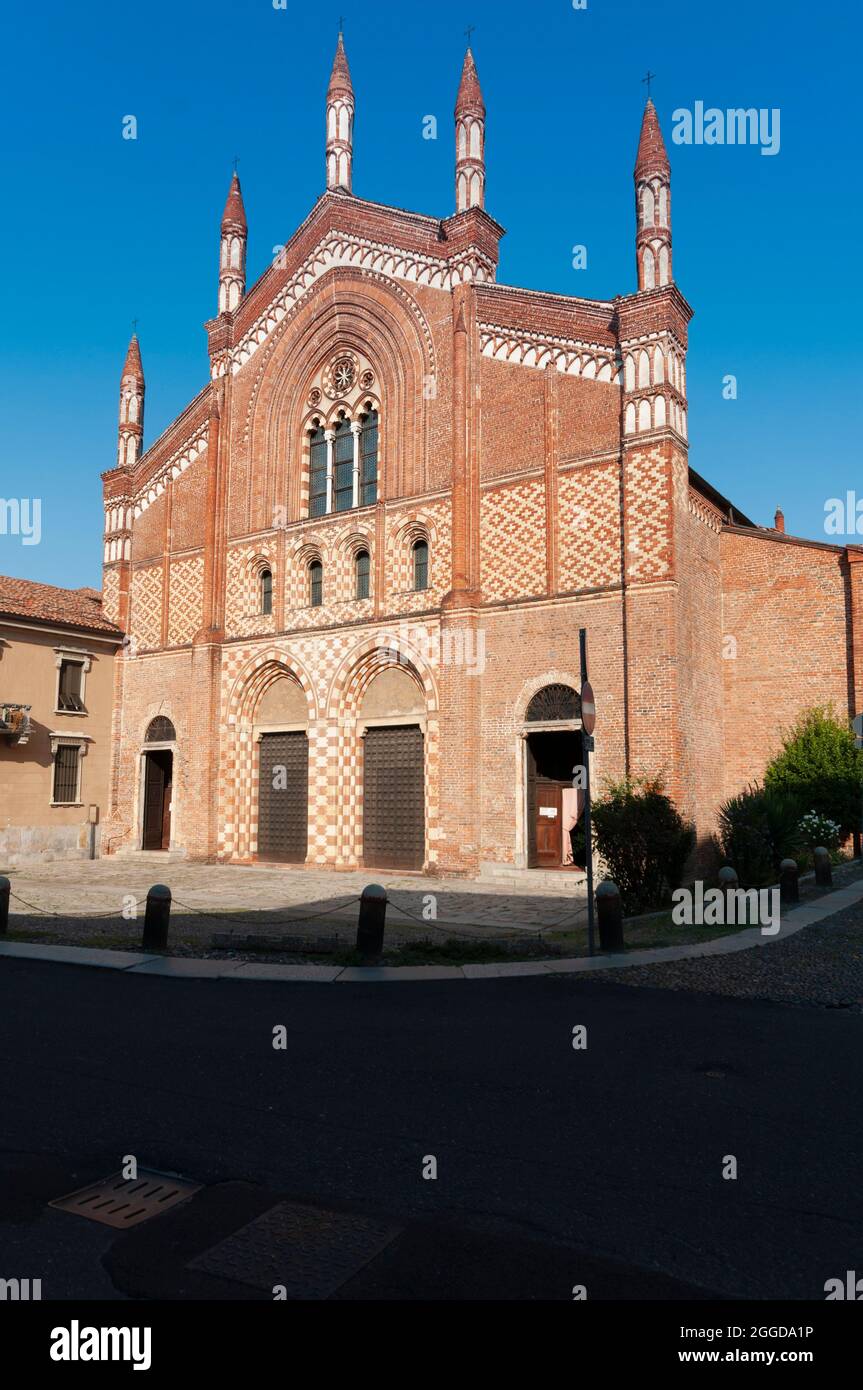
(821, 767)
(643, 840)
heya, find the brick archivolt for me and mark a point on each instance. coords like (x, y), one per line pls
(245, 564)
(374, 261)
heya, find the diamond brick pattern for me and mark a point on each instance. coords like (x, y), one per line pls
(512, 537)
(589, 527)
(146, 609)
(184, 603)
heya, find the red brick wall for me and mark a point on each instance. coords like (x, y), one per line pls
(784, 610)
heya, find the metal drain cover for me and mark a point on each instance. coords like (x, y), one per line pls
(309, 1250)
(123, 1202)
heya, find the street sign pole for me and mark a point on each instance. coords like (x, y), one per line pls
(587, 748)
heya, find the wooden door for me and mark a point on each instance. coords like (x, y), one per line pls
(548, 802)
(394, 797)
(157, 780)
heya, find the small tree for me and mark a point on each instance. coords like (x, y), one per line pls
(821, 767)
(643, 840)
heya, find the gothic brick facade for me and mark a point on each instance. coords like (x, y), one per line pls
(536, 444)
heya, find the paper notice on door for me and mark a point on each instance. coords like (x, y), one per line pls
(550, 811)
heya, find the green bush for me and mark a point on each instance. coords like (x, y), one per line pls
(643, 840)
(757, 830)
(822, 767)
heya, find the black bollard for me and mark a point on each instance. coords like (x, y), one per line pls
(157, 918)
(372, 920)
(823, 870)
(5, 888)
(789, 888)
(609, 912)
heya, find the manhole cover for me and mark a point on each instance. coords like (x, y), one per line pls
(308, 1250)
(123, 1202)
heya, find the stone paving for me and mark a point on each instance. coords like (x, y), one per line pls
(311, 898)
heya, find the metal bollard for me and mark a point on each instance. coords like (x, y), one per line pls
(372, 920)
(5, 888)
(823, 869)
(157, 918)
(609, 912)
(789, 888)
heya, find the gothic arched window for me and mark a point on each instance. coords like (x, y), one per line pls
(362, 569)
(316, 584)
(266, 591)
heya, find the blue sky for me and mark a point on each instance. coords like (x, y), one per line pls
(100, 230)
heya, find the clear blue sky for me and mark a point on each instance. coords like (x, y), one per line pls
(99, 230)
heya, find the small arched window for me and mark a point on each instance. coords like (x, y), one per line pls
(362, 566)
(266, 591)
(316, 584)
(421, 564)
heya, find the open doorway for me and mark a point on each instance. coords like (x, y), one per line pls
(551, 758)
(158, 784)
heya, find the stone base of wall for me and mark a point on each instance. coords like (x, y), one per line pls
(43, 844)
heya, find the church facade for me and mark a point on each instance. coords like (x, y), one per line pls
(352, 573)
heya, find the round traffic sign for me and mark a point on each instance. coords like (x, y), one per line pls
(588, 708)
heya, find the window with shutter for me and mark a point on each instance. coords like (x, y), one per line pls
(70, 686)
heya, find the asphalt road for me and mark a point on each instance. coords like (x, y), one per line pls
(555, 1165)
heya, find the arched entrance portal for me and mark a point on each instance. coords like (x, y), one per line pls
(283, 772)
(158, 782)
(553, 749)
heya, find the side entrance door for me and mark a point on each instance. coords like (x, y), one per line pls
(158, 783)
(283, 798)
(394, 797)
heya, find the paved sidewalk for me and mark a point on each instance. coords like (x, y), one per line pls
(82, 887)
(751, 940)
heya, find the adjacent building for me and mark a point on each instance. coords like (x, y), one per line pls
(57, 652)
(354, 569)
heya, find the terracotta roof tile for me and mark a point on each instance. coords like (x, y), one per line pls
(45, 603)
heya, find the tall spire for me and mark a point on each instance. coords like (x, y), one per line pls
(652, 204)
(340, 122)
(232, 252)
(469, 139)
(131, 430)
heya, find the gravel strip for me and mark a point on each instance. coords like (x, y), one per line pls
(821, 967)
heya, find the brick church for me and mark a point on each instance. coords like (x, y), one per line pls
(353, 571)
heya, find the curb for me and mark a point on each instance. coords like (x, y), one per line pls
(188, 967)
